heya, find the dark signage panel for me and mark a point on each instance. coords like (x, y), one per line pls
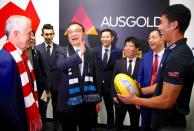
(125, 17)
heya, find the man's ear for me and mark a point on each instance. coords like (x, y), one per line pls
(113, 38)
(138, 49)
(15, 32)
(175, 24)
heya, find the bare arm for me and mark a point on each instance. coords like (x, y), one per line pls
(148, 90)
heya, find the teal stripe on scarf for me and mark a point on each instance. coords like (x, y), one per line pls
(74, 90)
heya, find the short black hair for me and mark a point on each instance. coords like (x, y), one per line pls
(132, 39)
(155, 29)
(76, 23)
(179, 13)
(107, 30)
(47, 26)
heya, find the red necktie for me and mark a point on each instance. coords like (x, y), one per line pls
(154, 69)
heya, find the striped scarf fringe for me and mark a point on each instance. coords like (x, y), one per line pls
(30, 97)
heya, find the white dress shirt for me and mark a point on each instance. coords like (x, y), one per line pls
(108, 52)
(132, 64)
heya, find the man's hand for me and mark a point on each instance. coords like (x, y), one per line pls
(98, 107)
(115, 100)
(129, 98)
(48, 95)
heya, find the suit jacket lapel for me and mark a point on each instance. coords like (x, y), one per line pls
(52, 55)
(136, 68)
(99, 56)
(149, 62)
(111, 58)
(71, 51)
(44, 48)
(124, 65)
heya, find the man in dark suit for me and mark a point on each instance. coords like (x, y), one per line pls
(18, 107)
(145, 78)
(128, 65)
(78, 101)
(106, 55)
(48, 57)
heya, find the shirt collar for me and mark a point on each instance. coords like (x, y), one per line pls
(132, 59)
(48, 44)
(75, 48)
(171, 47)
(109, 48)
(159, 53)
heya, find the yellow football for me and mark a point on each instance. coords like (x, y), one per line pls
(122, 82)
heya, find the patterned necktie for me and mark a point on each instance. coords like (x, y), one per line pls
(105, 58)
(154, 69)
(129, 70)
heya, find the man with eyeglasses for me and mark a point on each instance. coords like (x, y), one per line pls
(78, 101)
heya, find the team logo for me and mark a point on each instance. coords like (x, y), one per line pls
(12, 9)
(82, 17)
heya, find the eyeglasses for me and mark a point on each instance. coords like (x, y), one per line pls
(70, 32)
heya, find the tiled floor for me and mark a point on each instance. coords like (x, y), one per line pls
(49, 127)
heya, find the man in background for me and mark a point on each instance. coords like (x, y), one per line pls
(148, 71)
(171, 94)
(106, 54)
(47, 51)
(128, 65)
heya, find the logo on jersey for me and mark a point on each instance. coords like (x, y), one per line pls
(174, 74)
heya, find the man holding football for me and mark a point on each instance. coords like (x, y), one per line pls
(171, 94)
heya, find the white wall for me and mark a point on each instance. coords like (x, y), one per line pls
(189, 32)
(48, 12)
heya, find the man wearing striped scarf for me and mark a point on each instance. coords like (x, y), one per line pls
(18, 91)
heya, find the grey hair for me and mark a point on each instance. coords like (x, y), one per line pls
(13, 22)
